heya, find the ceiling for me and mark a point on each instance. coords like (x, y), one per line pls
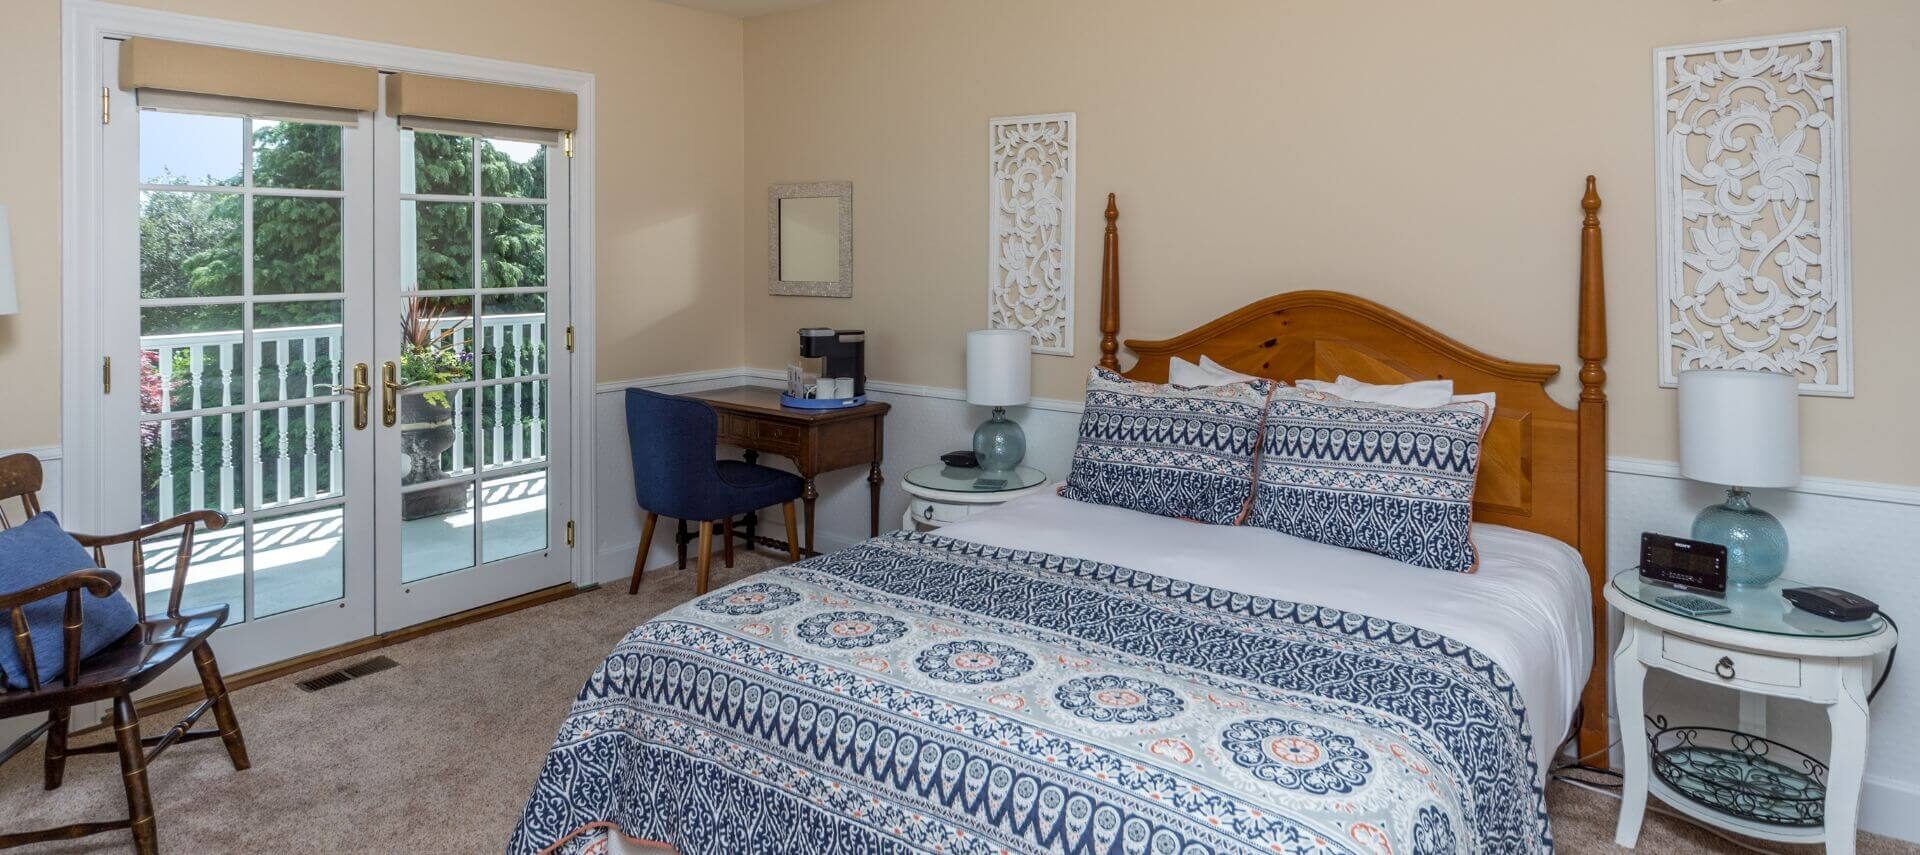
(746, 8)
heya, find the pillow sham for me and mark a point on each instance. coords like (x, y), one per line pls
(1168, 450)
(1208, 373)
(1394, 481)
(1419, 393)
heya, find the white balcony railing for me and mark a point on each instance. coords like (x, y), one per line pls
(195, 459)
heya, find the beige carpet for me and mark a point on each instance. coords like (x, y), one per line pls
(438, 754)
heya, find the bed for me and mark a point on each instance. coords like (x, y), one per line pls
(1068, 677)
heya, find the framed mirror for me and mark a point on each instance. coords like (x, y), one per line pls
(810, 239)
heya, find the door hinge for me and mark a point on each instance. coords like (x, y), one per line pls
(569, 338)
(566, 143)
(569, 534)
(106, 106)
(106, 375)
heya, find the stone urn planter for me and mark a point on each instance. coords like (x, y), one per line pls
(426, 432)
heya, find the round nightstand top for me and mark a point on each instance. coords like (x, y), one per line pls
(1759, 610)
(953, 479)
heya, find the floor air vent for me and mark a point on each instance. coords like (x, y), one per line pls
(358, 669)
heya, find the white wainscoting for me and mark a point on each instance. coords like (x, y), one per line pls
(1856, 535)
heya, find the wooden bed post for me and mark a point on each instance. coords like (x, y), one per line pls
(1110, 291)
(1594, 731)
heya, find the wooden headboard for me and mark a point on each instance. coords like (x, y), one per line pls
(1542, 465)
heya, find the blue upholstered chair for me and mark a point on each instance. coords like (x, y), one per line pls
(675, 474)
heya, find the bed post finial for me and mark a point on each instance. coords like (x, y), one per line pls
(1593, 301)
(1110, 291)
(1592, 468)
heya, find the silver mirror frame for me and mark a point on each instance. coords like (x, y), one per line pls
(843, 190)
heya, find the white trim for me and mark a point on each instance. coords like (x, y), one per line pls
(1866, 491)
(44, 452)
(84, 24)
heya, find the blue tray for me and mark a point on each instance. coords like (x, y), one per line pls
(787, 400)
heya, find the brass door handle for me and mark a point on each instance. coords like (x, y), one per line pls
(359, 390)
(390, 393)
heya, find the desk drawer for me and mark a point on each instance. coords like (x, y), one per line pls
(1729, 666)
(939, 513)
(759, 434)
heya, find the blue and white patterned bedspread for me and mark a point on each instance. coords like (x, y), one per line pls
(917, 693)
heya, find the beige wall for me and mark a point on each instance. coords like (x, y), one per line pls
(669, 193)
(1427, 155)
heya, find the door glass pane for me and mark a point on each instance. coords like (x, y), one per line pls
(436, 437)
(296, 154)
(515, 248)
(191, 462)
(184, 148)
(299, 559)
(436, 530)
(215, 573)
(442, 163)
(513, 424)
(298, 450)
(190, 357)
(296, 245)
(436, 245)
(189, 244)
(513, 514)
(513, 336)
(513, 168)
(297, 349)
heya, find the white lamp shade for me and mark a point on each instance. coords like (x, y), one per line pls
(9, 296)
(999, 367)
(1740, 428)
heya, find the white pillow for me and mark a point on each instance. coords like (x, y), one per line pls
(1420, 394)
(1205, 375)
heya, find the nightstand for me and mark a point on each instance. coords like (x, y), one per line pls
(1762, 647)
(943, 494)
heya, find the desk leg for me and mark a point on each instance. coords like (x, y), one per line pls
(807, 497)
(1629, 690)
(873, 494)
(1847, 719)
(753, 519)
(680, 541)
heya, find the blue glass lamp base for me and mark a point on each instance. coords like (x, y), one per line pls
(999, 443)
(1756, 542)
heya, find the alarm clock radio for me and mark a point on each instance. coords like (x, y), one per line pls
(1692, 564)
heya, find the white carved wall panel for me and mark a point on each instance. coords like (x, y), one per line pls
(1751, 192)
(1030, 228)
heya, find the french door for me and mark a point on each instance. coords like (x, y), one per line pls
(348, 336)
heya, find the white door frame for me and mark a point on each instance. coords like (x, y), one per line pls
(83, 270)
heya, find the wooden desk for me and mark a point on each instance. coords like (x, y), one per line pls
(815, 440)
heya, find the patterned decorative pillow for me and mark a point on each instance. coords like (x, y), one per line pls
(1168, 450)
(1389, 480)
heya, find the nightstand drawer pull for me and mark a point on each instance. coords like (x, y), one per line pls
(1735, 666)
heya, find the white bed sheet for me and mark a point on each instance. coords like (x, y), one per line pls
(1527, 605)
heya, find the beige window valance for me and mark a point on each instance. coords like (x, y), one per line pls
(442, 100)
(157, 64)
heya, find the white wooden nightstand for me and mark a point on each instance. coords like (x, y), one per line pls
(1762, 647)
(944, 494)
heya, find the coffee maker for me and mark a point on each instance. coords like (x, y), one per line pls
(841, 378)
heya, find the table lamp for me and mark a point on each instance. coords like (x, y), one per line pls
(9, 297)
(998, 368)
(1741, 428)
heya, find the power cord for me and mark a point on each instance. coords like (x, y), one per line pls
(1892, 652)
